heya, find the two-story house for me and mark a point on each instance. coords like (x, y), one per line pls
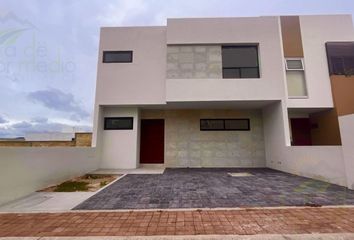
(228, 92)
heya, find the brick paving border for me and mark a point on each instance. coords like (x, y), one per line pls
(196, 222)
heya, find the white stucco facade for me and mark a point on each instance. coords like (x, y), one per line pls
(144, 78)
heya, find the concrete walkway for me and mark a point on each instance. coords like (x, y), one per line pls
(46, 202)
(198, 222)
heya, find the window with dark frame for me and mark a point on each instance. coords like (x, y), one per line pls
(117, 56)
(241, 124)
(240, 61)
(340, 57)
(118, 123)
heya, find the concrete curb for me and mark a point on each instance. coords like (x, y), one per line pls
(182, 209)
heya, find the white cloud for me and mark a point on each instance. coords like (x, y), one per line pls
(3, 120)
(120, 12)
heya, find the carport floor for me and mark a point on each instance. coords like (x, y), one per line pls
(215, 188)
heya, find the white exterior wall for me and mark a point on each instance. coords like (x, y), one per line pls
(139, 82)
(97, 125)
(28, 169)
(264, 31)
(315, 32)
(120, 148)
(346, 124)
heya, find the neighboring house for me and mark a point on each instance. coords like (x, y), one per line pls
(229, 92)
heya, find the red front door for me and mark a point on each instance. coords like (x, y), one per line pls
(152, 141)
(301, 131)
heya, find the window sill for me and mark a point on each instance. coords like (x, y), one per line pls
(298, 97)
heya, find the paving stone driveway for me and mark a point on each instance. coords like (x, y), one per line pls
(213, 187)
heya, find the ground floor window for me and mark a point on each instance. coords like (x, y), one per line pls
(224, 124)
(118, 123)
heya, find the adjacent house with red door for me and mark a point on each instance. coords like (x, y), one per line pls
(269, 91)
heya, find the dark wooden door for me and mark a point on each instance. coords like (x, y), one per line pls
(301, 131)
(152, 141)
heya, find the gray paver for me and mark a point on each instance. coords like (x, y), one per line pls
(214, 188)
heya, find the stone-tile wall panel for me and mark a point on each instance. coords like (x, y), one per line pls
(194, 61)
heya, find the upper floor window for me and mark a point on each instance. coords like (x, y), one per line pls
(340, 56)
(117, 56)
(295, 77)
(294, 64)
(240, 61)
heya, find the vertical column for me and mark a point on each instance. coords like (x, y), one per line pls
(291, 35)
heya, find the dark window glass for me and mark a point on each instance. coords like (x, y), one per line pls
(212, 124)
(240, 62)
(231, 73)
(249, 72)
(237, 124)
(118, 56)
(224, 124)
(340, 57)
(118, 123)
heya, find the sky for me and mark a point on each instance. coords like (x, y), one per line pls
(49, 49)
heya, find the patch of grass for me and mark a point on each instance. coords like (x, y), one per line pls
(71, 186)
(103, 183)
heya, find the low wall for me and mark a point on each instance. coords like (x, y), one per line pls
(80, 140)
(323, 163)
(83, 139)
(27, 169)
